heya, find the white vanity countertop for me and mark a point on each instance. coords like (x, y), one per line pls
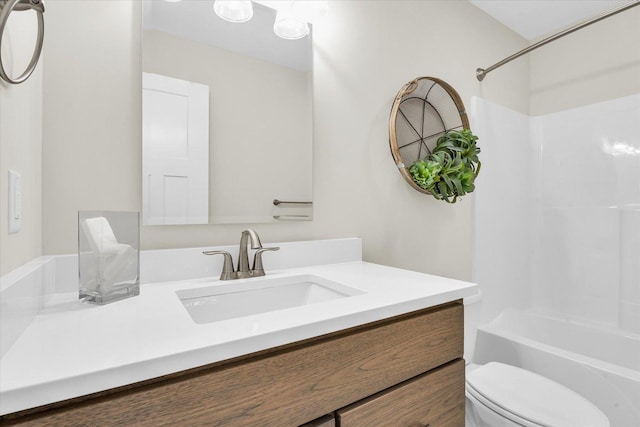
(72, 348)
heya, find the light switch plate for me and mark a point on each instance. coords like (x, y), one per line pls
(15, 202)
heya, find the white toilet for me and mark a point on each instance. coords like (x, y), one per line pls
(500, 395)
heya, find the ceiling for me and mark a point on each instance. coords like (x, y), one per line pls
(535, 18)
(195, 20)
(531, 19)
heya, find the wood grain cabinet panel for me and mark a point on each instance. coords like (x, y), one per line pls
(435, 399)
(326, 421)
(287, 386)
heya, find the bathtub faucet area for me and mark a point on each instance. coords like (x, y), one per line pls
(248, 237)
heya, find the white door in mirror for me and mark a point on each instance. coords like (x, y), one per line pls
(15, 202)
(175, 139)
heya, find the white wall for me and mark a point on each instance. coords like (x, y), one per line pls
(363, 53)
(597, 63)
(21, 142)
(92, 141)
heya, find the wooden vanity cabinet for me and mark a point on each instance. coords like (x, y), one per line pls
(402, 371)
(433, 399)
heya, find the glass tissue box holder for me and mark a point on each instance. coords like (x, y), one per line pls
(108, 255)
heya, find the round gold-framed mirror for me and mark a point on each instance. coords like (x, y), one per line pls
(423, 110)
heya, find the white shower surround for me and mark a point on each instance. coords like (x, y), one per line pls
(557, 231)
(557, 211)
(589, 211)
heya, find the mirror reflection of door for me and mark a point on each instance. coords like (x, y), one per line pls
(260, 109)
(175, 162)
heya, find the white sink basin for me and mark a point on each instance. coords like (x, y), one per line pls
(238, 299)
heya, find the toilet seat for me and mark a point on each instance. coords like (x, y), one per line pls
(483, 408)
(530, 399)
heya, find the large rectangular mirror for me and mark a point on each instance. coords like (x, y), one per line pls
(227, 112)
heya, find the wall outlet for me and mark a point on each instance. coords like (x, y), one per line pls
(15, 202)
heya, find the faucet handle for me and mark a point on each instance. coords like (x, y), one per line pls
(258, 269)
(228, 272)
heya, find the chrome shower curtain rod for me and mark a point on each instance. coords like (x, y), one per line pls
(481, 72)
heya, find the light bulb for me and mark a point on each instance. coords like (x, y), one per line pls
(234, 10)
(289, 26)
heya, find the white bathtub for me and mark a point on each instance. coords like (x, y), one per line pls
(600, 364)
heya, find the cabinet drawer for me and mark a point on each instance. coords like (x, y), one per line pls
(435, 399)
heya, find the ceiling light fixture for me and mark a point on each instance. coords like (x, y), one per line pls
(292, 16)
(234, 10)
(290, 26)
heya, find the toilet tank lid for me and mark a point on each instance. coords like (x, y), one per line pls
(533, 397)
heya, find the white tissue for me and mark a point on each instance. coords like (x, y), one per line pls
(99, 234)
(116, 262)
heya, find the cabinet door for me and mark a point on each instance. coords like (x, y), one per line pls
(435, 399)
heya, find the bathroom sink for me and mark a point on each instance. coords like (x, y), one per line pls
(238, 299)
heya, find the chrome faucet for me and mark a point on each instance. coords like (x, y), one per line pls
(243, 272)
(243, 256)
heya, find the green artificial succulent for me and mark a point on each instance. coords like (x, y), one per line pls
(426, 173)
(452, 167)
